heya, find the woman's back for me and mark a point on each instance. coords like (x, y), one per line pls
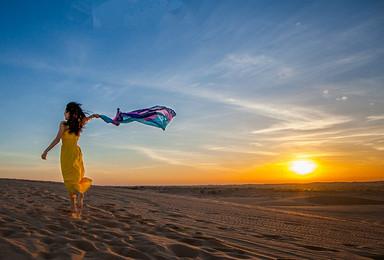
(69, 138)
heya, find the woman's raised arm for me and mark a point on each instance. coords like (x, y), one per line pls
(86, 119)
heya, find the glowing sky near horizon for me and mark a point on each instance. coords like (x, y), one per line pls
(255, 85)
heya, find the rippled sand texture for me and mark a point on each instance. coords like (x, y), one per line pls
(121, 223)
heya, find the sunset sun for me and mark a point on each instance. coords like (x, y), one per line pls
(303, 167)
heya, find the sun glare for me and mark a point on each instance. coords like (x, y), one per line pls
(303, 167)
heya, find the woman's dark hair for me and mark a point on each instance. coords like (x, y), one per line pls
(76, 116)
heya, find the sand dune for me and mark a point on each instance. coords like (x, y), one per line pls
(121, 223)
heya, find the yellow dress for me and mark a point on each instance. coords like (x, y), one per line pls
(72, 168)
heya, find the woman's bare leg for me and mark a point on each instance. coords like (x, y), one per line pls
(73, 204)
(80, 201)
(79, 204)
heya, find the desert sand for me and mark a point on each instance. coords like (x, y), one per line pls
(314, 221)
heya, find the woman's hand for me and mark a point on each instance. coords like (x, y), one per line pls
(96, 115)
(44, 156)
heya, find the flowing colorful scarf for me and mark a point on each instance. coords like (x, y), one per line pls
(157, 116)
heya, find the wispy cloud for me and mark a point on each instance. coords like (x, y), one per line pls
(376, 117)
(168, 156)
(244, 64)
(184, 158)
(162, 155)
(290, 117)
(238, 150)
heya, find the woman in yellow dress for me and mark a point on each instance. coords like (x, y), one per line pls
(71, 158)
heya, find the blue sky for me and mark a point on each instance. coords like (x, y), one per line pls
(253, 83)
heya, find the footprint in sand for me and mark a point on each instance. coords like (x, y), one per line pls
(203, 221)
(271, 236)
(109, 224)
(224, 228)
(48, 240)
(350, 245)
(62, 253)
(110, 235)
(174, 227)
(33, 212)
(191, 241)
(9, 220)
(181, 250)
(318, 248)
(292, 223)
(6, 232)
(55, 228)
(129, 252)
(109, 207)
(83, 245)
